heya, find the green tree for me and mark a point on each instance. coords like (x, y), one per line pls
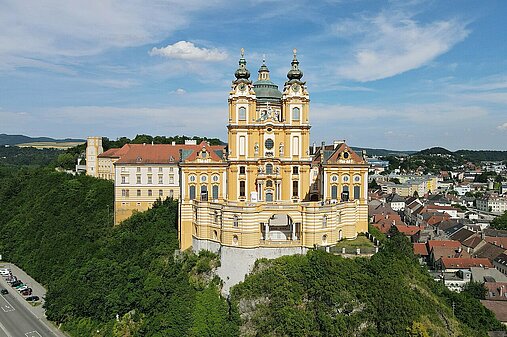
(500, 222)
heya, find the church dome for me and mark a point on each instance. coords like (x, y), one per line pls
(264, 88)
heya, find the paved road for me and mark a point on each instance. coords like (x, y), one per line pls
(18, 321)
(24, 316)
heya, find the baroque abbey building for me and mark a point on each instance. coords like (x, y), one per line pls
(269, 192)
(272, 189)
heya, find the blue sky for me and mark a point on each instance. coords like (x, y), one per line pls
(385, 74)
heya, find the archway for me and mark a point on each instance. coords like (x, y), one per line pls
(280, 227)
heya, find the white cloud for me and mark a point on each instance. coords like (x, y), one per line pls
(502, 127)
(53, 31)
(179, 91)
(185, 50)
(392, 43)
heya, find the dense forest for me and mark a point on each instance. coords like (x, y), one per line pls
(324, 295)
(13, 155)
(58, 227)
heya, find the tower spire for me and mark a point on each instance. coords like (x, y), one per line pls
(242, 74)
(294, 74)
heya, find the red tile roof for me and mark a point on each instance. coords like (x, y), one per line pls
(499, 308)
(420, 249)
(497, 241)
(352, 155)
(463, 262)
(163, 153)
(115, 152)
(407, 230)
(443, 208)
(151, 154)
(443, 243)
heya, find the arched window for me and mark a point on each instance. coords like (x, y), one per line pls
(192, 192)
(324, 221)
(269, 168)
(357, 192)
(324, 239)
(295, 114)
(242, 114)
(215, 191)
(235, 240)
(269, 196)
(204, 193)
(334, 192)
(235, 221)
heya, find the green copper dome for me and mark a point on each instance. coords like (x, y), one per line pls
(264, 88)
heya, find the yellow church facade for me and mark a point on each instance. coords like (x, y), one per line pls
(272, 189)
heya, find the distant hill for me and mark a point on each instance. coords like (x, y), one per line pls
(382, 152)
(472, 155)
(22, 139)
(434, 150)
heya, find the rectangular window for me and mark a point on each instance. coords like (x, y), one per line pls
(242, 189)
(138, 193)
(160, 169)
(124, 180)
(150, 193)
(149, 180)
(160, 193)
(138, 179)
(242, 142)
(171, 169)
(295, 188)
(295, 169)
(295, 146)
(242, 170)
(171, 179)
(192, 192)
(171, 194)
(138, 169)
(160, 179)
(149, 169)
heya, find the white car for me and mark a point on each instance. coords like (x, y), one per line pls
(5, 272)
(22, 288)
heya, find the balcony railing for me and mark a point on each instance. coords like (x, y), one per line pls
(281, 243)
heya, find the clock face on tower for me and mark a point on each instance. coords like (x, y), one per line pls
(296, 87)
(242, 87)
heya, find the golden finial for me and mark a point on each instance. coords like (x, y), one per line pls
(242, 52)
(263, 58)
(294, 51)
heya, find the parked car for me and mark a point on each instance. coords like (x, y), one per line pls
(11, 279)
(32, 298)
(3, 291)
(20, 285)
(20, 289)
(5, 272)
(26, 292)
(16, 283)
